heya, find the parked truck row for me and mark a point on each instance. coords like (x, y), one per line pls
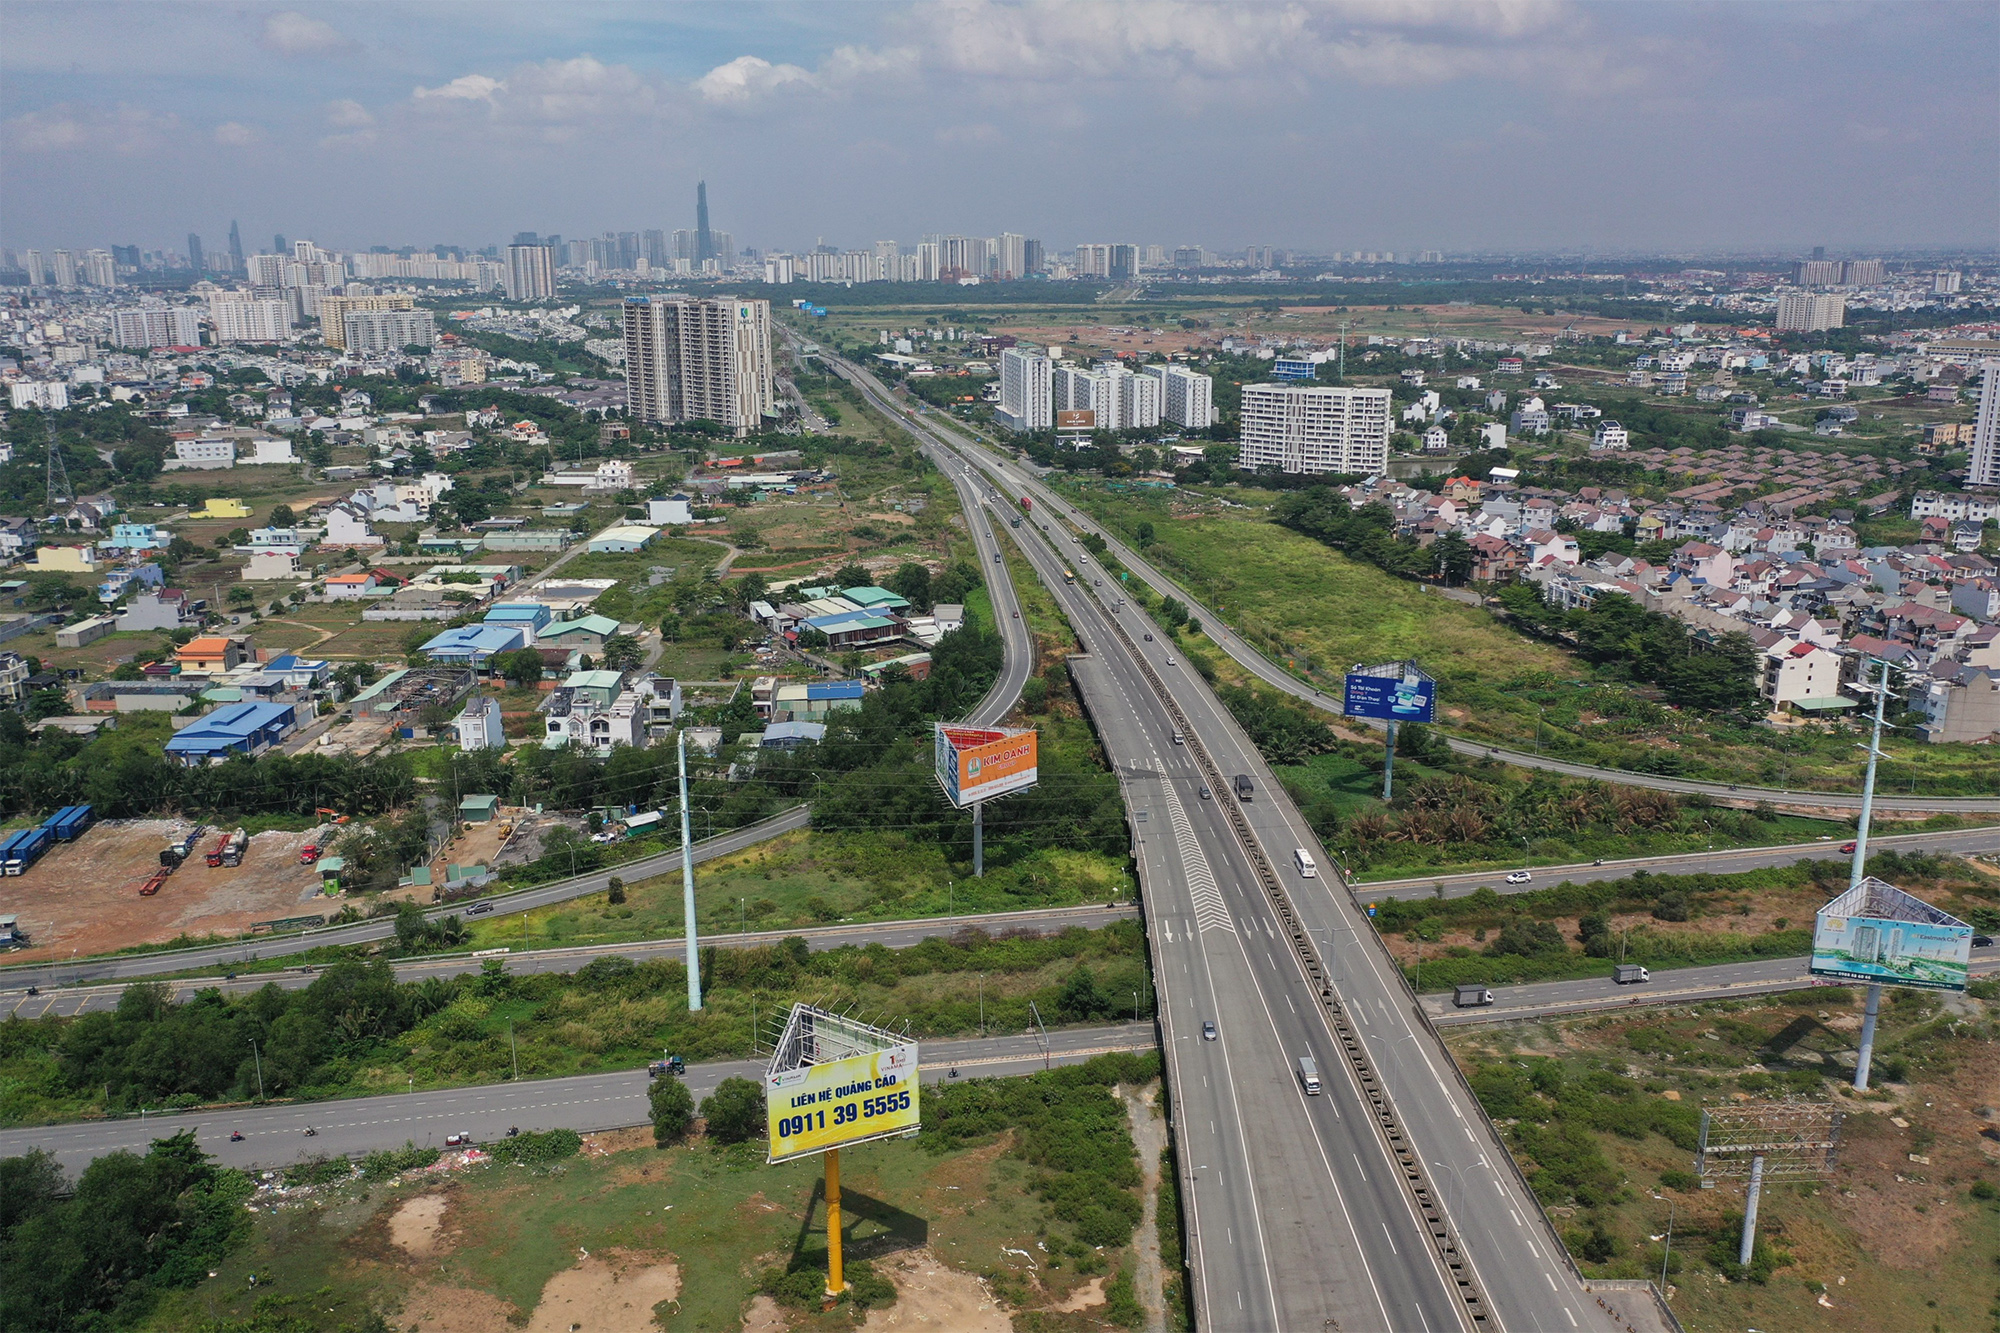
(23, 847)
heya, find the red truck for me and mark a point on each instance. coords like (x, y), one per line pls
(215, 852)
(1027, 505)
(310, 853)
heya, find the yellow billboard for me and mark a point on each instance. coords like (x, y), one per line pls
(873, 1095)
(981, 763)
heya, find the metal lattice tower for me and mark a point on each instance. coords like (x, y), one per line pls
(60, 491)
(1791, 1138)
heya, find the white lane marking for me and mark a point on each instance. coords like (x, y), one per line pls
(1391, 1239)
(1551, 1281)
(1516, 1216)
(1572, 1318)
(1210, 912)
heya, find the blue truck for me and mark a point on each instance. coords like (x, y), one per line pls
(27, 848)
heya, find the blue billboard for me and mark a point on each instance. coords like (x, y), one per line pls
(1390, 698)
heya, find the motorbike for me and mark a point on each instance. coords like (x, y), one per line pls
(236, 1136)
(954, 1074)
(513, 1131)
(311, 1133)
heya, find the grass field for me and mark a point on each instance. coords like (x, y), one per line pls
(695, 1226)
(1602, 1113)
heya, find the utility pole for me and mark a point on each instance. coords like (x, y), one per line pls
(260, 1068)
(687, 884)
(1855, 874)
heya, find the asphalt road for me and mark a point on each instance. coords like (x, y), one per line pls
(1295, 1214)
(1018, 480)
(1018, 661)
(275, 1135)
(70, 1000)
(1965, 842)
(1680, 985)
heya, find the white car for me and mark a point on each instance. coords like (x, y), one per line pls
(1519, 877)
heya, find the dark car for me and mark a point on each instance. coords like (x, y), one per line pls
(479, 909)
(1982, 941)
(1206, 795)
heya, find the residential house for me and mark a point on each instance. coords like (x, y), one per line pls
(211, 653)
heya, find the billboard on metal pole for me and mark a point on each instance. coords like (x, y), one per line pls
(834, 1082)
(979, 763)
(1394, 692)
(1875, 932)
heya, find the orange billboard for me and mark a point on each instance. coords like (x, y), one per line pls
(980, 763)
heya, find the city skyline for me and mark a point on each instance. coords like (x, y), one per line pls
(1529, 127)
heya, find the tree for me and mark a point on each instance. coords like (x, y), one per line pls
(614, 891)
(622, 652)
(1081, 998)
(852, 576)
(283, 517)
(672, 1109)
(1454, 556)
(522, 667)
(1144, 532)
(734, 1111)
(912, 582)
(670, 629)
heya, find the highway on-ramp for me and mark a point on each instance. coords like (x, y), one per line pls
(275, 1134)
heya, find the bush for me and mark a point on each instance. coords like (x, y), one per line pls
(734, 1111)
(533, 1149)
(867, 1288)
(319, 1171)
(1679, 1180)
(1671, 907)
(392, 1161)
(672, 1110)
(1983, 1190)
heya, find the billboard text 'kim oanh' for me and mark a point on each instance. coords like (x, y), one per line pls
(979, 763)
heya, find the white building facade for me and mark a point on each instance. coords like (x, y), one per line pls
(1310, 428)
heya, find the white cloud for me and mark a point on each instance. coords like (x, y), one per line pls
(67, 128)
(235, 134)
(294, 34)
(746, 77)
(348, 114)
(464, 88)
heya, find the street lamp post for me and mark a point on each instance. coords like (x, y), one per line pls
(260, 1068)
(982, 1004)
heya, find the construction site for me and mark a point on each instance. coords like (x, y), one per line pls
(90, 896)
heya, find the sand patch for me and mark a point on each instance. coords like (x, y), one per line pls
(1089, 1294)
(415, 1228)
(609, 1141)
(931, 1296)
(613, 1292)
(442, 1309)
(764, 1316)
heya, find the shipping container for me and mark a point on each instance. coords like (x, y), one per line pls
(69, 823)
(27, 849)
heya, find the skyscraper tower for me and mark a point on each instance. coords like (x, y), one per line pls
(278, 246)
(704, 240)
(194, 253)
(235, 248)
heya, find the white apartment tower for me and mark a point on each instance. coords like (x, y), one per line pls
(1027, 390)
(1809, 312)
(1187, 396)
(1013, 255)
(1985, 469)
(157, 326)
(242, 317)
(98, 268)
(1300, 428)
(699, 360)
(531, 273)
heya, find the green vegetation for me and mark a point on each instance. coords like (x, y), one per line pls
(99, 1252)
(1487, 937)
(358, 1030)
(1603, 1114)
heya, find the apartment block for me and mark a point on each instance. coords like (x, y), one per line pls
(699, 360)
(1027, 389)
(1311, 428)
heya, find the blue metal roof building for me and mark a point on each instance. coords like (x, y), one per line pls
(474, 644)
(234, 729)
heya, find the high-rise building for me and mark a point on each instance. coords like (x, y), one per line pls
(1944, 283)
(243, 317)
(376, 331)
(1027, 389)
(278, 243)
(1861, 273)
(699, 360)
(63, 269)
(1985, 468)
(195, 260)
(1188, 256)
(1093, 260)
(267, 270)
(1816, 273)
(235, 248)
(333, 312)
(99, 270)
(657, 254)
(1123, 263)
(1187, 396)
(1298, 428)
(38, 274)
(157, 326)
(531, 273)
(125, 256)
(1809, 312)
(1013, 255)
(1033, 258)
(704, 240)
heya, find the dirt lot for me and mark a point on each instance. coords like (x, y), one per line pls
(84, 895)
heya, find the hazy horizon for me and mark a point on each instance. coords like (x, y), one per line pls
(1405, 125)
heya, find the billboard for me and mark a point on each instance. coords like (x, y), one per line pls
(1875, 932)
(1071, 418)
(873, 1095)
(1397, 698)
(980, 763)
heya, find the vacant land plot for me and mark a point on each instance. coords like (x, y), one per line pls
(1603, 1115)
(83, 897)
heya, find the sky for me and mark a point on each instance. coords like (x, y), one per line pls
(1641, 126)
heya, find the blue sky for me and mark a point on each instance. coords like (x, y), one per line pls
(1356, 124)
